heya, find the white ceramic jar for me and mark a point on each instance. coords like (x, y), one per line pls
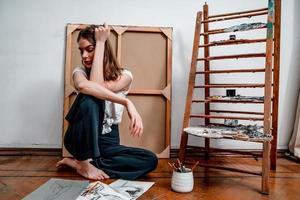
(182, 181)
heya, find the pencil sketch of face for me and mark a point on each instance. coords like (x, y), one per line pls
(132, 191)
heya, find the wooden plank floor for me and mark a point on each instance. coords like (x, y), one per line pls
(20, 175)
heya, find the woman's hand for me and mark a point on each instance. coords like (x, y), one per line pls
(136, 125)
(102, 33)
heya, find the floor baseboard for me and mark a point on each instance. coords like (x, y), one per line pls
(30, 151)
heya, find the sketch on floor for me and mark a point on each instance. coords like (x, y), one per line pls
(58, 189)
(131, 189)
(100, 191)
(118, 190)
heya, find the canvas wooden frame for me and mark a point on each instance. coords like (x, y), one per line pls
(151, 88)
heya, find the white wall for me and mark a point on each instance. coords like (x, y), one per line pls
(32, 50)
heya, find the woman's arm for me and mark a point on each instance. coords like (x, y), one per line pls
(101, 35)
(122, 83)
(94, 89)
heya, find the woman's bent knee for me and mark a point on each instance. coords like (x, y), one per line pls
(152, 160)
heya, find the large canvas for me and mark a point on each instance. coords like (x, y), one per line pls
(147, 53)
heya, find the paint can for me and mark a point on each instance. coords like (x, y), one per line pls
(182, 181)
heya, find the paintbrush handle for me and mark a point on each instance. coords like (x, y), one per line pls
(195, 165)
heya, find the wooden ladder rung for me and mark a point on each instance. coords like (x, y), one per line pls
(227, 117)
(219, 31)
(237, 13)
(250, 55)
(231, 169)
(236, 17)
(237, 112)
(232, 42)
(231, 71)
(226, 101)
(231, 86)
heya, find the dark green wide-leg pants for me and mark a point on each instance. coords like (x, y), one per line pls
(84, 140)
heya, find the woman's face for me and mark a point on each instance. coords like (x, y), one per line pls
(87, 51)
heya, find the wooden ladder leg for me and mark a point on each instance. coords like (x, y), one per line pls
(206, 78)
(268, 119)
(265, 168)
(192, 77)
(207, 148)
(183, 146)
(276, 83)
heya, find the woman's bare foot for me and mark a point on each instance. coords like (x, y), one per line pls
(87, 170)
(68, 162)
(84, 168)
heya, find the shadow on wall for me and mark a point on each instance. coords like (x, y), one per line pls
(293, 75)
